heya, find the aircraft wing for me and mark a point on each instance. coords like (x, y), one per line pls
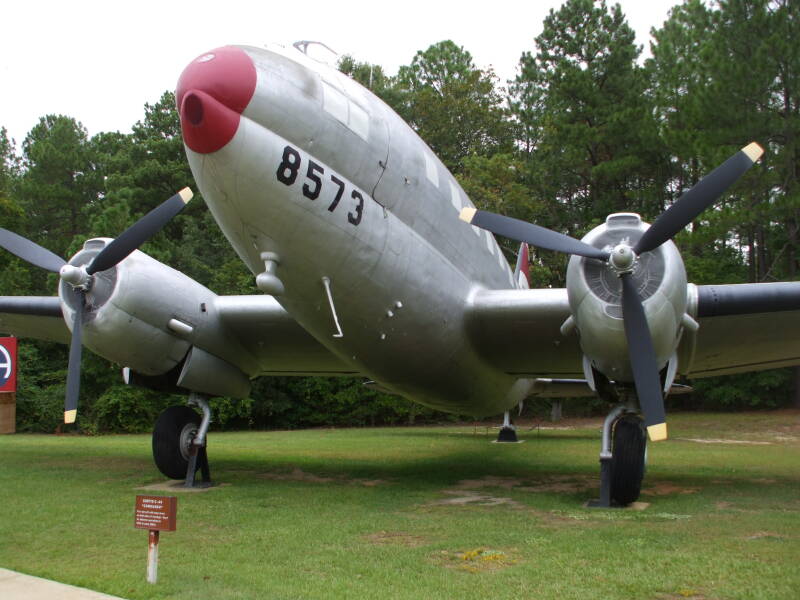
(36, 317)
(254, 332)
(743, 327)
(518, 331)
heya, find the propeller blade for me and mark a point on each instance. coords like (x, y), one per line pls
(530, 233)
(74, 366)
(30, 251)
(643, 361)
(698, 198)
(138, 233)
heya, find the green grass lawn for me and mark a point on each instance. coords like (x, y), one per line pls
(418, 513)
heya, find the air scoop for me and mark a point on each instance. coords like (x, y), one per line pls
(213, 91)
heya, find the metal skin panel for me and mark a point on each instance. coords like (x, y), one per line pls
(390, 344)
(599, 322)
(517, 331)
(290, 101)
(206, 372)
(279, 343)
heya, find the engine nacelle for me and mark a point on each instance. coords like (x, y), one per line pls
(147, 316)
(595, 297)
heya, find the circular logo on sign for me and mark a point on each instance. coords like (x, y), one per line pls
(6, 365)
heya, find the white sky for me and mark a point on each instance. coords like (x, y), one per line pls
(100, 61)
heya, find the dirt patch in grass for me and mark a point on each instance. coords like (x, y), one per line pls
(472, 491)
(478, 560)
(554, 484)
(666, 488)
(765, 535)
(300, 475)
(682, 595)
(396, 538)
(462, 498)
(722, 441)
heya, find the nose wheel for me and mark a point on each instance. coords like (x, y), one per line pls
(179, 443)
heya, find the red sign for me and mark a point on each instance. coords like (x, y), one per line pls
(8, 364)
(156, 513)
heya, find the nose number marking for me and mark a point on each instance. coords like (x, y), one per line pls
(289, 169)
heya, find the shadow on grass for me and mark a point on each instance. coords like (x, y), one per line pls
(523, 433)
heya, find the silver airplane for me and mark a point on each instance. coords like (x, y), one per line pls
(372, 261)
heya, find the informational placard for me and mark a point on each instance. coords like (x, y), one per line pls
(156, 513)
(8, 364)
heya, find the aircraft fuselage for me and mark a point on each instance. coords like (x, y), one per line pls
(319, 171)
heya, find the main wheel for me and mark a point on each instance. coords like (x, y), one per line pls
(173, 433)
(627, 459)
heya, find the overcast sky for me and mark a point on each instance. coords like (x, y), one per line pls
(100, 61)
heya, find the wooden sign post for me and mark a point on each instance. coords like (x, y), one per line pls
(8, 384)
(156, 514)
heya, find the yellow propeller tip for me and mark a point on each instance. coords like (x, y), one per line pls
(467, 214)
(753, 151)
(69, 416)
(186, 194)
(657, 432)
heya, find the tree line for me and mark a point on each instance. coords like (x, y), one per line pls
(585, 129)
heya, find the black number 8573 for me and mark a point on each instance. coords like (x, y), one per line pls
(287, 175)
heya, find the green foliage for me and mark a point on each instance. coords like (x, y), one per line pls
(591, 139)
(762, 389)
(454, 106)
(126, 409)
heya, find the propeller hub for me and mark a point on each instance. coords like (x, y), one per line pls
(77, 277)
(622, 259)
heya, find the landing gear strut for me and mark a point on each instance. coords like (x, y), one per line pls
(622, 458)
(179, 442)
(507, 433)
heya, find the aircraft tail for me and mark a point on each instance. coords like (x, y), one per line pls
(521, 271)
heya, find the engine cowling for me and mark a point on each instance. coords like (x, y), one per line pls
(594, 290)
(148, 316)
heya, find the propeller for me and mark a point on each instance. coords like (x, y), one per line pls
(622, 259)
(80, 277)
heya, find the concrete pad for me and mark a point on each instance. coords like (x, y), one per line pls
(16, 586)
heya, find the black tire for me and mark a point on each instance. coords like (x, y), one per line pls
(627, 459)
(173, 428)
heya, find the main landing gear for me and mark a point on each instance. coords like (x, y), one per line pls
(622, 457)
(507, 433)
(179, 442)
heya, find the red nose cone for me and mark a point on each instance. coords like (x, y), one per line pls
(212, 93)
